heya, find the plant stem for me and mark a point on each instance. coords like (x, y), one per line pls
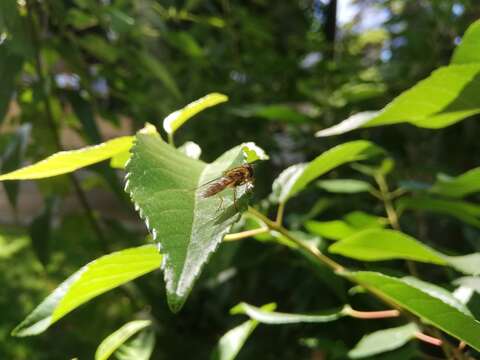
(272, 225)
(280, 211)
(53, 126)
(370, 314)
(245, 234)
(448, 348)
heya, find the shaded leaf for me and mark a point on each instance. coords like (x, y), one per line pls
(420, 303)
(232, 342)
(139, 348)
(12, 158)
(462, 210)
(113, 341)
(274, 112)
(383, 340)
(162, 181)
(276, 318)
(383, 244)
(460, 186)
(95, 278)
(10, 66)
(67, 161)
(161, 73)
(176, 119)
(40, 231)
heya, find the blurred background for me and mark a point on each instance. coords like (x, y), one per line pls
(78, 72)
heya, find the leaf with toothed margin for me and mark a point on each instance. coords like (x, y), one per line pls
(161, 181)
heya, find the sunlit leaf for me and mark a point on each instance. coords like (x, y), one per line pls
(162, 181)
(95, 278)
(113, 341)
(447, 96)
(383, 244)
(383, 340)
(191, 149)
(176, 119)
(420, 303)
(68, 161)
(277, 318)
(232, 342)
(468, 51)
(297, 177)
(467, 264)
(437, 292)
(346, 186)
(253, 152)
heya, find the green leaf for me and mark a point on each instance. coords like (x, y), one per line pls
(447, 96)
(344, 186)
(468, 51)
(232, 342)
(95, 278)
(471, 282)
(67, 161)
(334, 229)
(10, 66)
(12, 241)
(467, 264)
(119, 161)
(460, 186)
(462, 210)
(40, 232)
(383, 340)
(139, 348)
(297, 177)
(253, 152)
(99, 47)
(277, 318)
(383, 244)
(162, 181)
(437, 292)
(274, 112)
(351, 224)
(160, 72)
(113, 341)
(12, 158)
(176, 119)
(418, 302)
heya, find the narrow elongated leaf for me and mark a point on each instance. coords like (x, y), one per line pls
(344, 186)
(95, 278)
(162, 182)
(176, 119)
(460, 186)
(418, 302)
(468, 51)
(462, 210)
(113, 341)
(297, 177)
(68, 161)
(277, 318)
(232, 342)
(383, 340)
(12, 158)
(447, 96)
(10, 66)
(383, 244)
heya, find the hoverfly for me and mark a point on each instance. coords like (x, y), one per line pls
(240, 175)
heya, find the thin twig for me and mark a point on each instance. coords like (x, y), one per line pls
(245, 234)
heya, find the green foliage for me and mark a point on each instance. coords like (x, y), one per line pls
(93, 279)
(116, 339)
(78, 73)
(429, 308)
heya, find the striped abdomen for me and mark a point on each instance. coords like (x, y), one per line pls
(217, 186)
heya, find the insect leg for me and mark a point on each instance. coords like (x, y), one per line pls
(235, 198)
(220, 206)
